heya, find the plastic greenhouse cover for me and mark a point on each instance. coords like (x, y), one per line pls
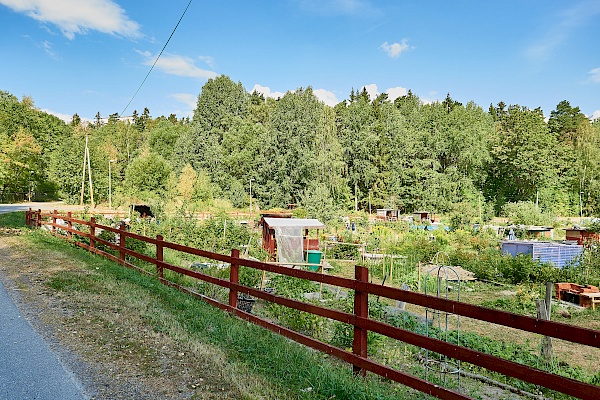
(289, 244)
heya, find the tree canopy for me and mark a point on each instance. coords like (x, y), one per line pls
(405, 154)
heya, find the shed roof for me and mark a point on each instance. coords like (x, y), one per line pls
(305, 223)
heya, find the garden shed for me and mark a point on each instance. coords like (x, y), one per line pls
(559, 254)
(287, 238)
(419, 216)
(581, 235)
(540, 231)
(388, 214)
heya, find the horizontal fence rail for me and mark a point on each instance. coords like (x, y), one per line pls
(359, 319)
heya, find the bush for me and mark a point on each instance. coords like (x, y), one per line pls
(526, 213)
(345, 252)
(294, 288)
(593, 225)
(422, 246)
(493, 265)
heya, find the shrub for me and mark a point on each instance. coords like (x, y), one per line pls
(526, 213)
(493, 265)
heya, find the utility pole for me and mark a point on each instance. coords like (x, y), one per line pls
(86, 159)
(480, 213)
(110, 185)
(355, 197)
(251, 179)
(370, 190)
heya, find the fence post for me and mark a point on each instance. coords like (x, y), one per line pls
(38, 218)
(122, 229)
(361, 309)
(69, 224)
(234, 274)
(543, 312)
(28, 217)
(159, 257)
(54, 221)
(92, 232)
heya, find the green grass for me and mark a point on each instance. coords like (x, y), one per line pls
(288, 365)
(13, 220)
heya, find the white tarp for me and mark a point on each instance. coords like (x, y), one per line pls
(289, 244)
(305, 223)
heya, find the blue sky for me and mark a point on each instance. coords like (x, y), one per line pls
(89, 56)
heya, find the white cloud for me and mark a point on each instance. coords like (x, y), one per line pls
(266, 91)
(395, 92)
(65, 117)
(208, 60)
(47, 47)
(596, 115)
(186, 98)
(78, 17)
(395, 49)
(595, 75)
(372, 91)
(177, 65)
(339, 7)
(562, 28)
(329, 98)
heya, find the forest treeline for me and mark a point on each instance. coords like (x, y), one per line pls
(443, 157)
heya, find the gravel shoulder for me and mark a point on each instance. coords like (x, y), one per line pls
(108, 344)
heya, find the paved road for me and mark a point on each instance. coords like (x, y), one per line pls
(28, 368)
(50, 206)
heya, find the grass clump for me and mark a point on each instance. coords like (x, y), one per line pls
(291, 370)
(12, 220)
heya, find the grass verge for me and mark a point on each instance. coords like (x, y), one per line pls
(12, 220)
(178, 345)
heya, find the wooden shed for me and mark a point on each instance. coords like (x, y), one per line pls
(419, 216)
(540, 231)
(269, 225)
(581, 235)
(388, 214)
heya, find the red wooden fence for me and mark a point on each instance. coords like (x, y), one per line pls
(359, 319)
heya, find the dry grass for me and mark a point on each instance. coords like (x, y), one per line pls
(110, 328)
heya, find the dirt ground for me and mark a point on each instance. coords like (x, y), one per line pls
(117, 355)
(106, 344)
(573, 354)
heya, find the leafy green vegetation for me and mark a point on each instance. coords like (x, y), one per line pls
(299, 372)
(475, 250)
(13, 220)
(451, 158)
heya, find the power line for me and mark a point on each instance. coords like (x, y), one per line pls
(155, 61)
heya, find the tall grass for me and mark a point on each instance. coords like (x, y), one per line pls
(13, 220)
(300, 372)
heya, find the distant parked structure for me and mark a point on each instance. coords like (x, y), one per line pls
(294, 231)
(388, 214)
(422, 216)
(581, 235)
(540, 232)
(559, 254)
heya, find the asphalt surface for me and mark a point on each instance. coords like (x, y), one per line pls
(29, 370)
(50, 206)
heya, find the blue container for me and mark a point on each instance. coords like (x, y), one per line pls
(558, 254)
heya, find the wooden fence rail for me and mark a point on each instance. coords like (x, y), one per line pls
(359, 319)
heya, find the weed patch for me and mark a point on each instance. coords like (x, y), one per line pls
(128, 314)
